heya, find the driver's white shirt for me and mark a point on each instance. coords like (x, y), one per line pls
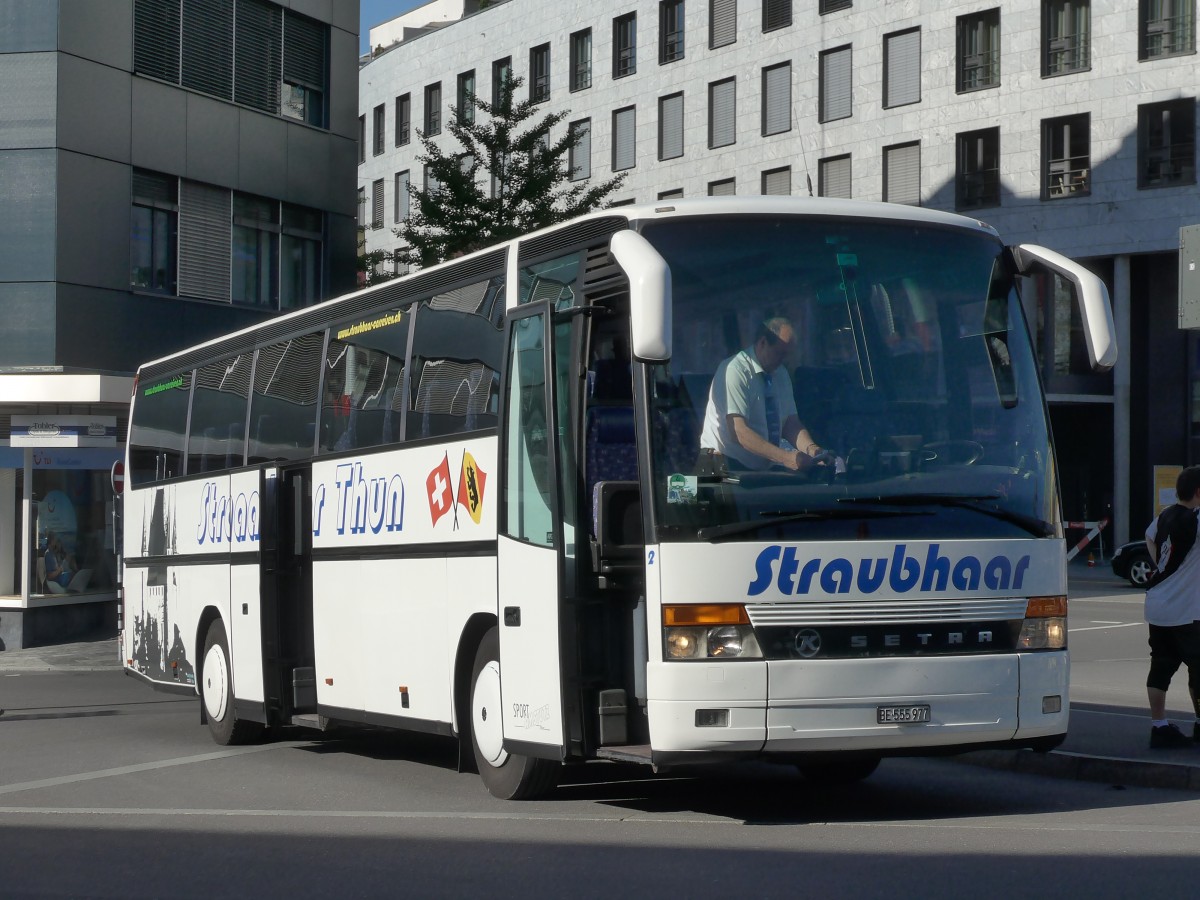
(739, 387)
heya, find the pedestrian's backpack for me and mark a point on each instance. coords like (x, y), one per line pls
(1175, 536)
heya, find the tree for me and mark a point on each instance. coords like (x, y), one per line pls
(508, 179)
(373, 265)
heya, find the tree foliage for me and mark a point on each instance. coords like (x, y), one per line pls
(508, 178)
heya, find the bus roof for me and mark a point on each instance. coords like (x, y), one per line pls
(637, 213)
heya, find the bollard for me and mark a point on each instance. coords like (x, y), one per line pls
(1091, 560)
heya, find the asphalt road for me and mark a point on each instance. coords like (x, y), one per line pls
(108, 789)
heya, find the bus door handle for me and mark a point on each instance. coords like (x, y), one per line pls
(512, 616)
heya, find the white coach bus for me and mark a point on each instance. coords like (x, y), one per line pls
(471, 501)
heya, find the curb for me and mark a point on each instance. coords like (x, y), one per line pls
(1113, 770)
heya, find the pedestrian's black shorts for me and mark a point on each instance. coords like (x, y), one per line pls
(1171, 646)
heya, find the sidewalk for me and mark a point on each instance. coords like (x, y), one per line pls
(1106, 743)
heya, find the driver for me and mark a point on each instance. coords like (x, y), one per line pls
(751, 420)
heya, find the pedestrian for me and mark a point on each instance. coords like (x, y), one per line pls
(1173, 608)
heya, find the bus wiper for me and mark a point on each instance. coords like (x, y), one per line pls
(782, 517)
(1032, 524)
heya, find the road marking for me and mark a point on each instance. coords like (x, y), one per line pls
(1102, 627)
(144, 767)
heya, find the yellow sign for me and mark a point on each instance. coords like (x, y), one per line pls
(1164, 487)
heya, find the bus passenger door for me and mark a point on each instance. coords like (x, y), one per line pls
(530, 543)
(287, 597)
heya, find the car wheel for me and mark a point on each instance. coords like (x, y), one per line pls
(1140, 570)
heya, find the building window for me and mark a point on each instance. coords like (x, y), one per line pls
(539, 74)
(977, 179)
(581, 60)
(624, 45)
(777, 181)
(902, 173)
(399, 263)
(154, 232)
(722, 113)
(403, 198)
(403, 119)
(433, 109)
(579, 158)
(360, 217)
(252, 52)
(429, 181)
(378, 125)
(1166, 28)
(828, 6)
(1066, 37)
(466, 97)
(1167, 143)
(674, 194)
(501, 75)
(624, 155)
(726, 187)
(776, 14)
(833, 177)
(777, 99)
(836, 98)
(722, 23)
(362, 139)
(1066, 157)
(300, 255)
(670, 126)
(377, 203)
(670, 31)
(979, 50)
(255, 264)
(902, 68)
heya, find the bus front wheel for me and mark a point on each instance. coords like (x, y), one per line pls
(507, 776)
(216, 691)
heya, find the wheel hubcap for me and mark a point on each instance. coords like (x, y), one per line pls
(216, 678)
(486, 721)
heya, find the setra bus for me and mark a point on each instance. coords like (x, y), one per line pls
(472, 502)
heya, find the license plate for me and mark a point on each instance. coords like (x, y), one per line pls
(902, 715)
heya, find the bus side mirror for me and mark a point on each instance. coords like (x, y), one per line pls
(1095, 310)
(649, 295)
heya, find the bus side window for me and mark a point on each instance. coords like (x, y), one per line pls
(283, 409)
(217, 437)
(157, 432)
(362, 402)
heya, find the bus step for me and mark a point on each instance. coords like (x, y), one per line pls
(634, 753)
(311, 720)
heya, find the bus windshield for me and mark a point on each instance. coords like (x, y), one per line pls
(910, 367)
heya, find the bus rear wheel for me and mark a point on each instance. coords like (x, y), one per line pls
(507, 776)
(847, 772)
(216, 691)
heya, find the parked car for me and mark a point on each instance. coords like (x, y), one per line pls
(1133, 561)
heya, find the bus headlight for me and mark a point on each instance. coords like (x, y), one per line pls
(1045, 625)
(709, 631)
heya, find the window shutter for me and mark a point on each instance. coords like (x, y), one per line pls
(835, 85)
(581, 153)
(903, 173)
(377, 203)
(156, 39)
(722, 109)
(208, 47)
(670, 111)
(624, 138)
(903, 68)
(723, 24)
(257, 51)
(777, 13)
(304, 51)
(725, 188)
(205, 231)
(835, 177)
(777, 181)
(777, 99)
(402, 198)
